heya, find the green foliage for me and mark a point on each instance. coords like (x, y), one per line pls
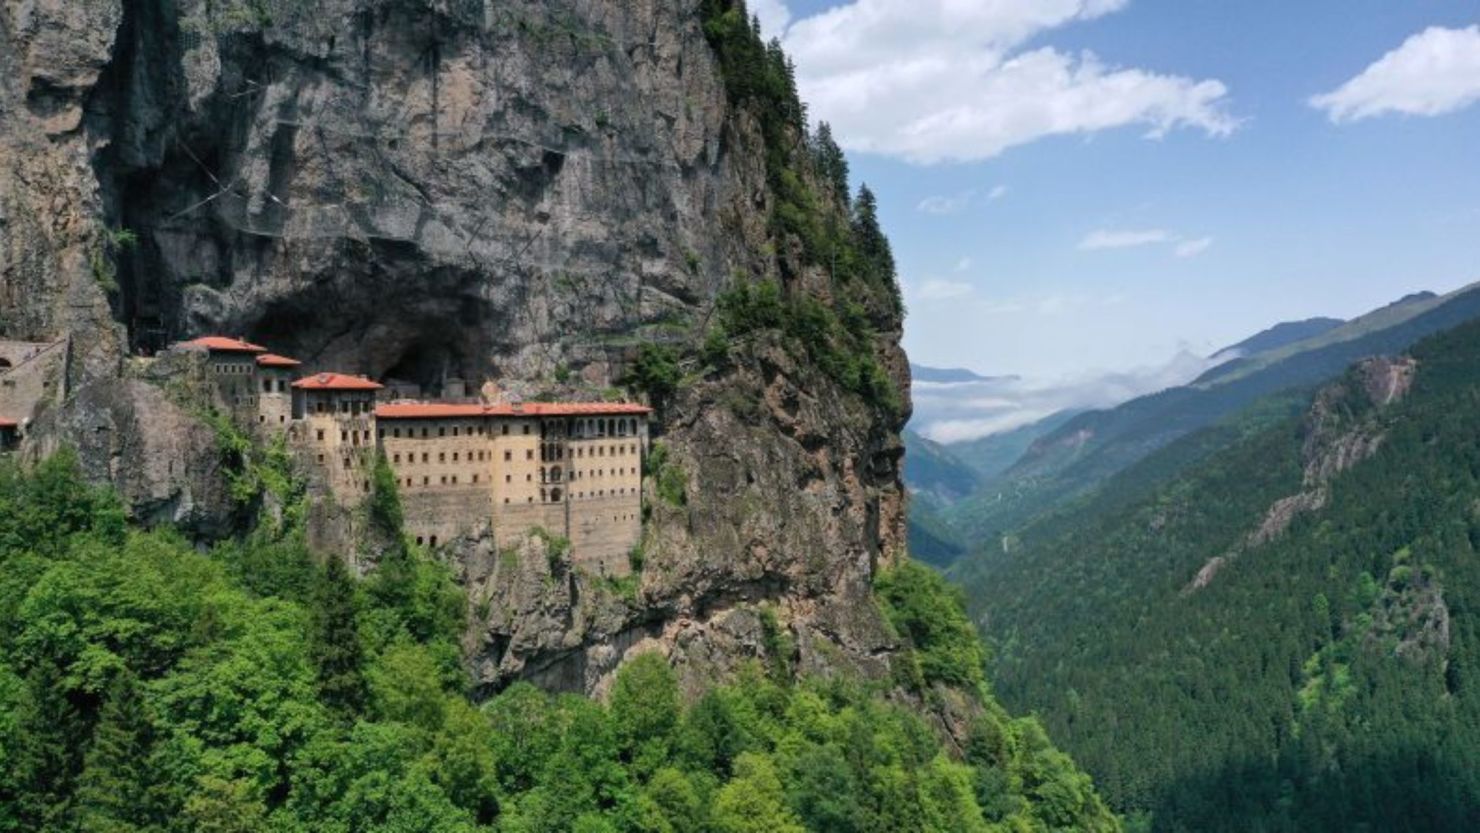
(668, 478)
(929, 615)
(839, 345)
(147, 686)
(334, 640)
(655, 373)
(1303, 689)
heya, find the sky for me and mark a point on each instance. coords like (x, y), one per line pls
(1081, 187)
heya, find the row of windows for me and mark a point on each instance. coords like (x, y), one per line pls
(267, 386)
(234, 369)
(457, 430)
(426, 457)
(556, 495)
(442, 480)
(601, 450)
(346, 406)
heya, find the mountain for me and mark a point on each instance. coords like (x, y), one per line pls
(994, 454)
(1280, 634)
(1095, 445)
(1288, 332)
(420, 192)
(209, 627)
(951, 375)
(934, 469)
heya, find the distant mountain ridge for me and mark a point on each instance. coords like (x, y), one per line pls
(1287, 332)
(952, 375)
(1095, 445)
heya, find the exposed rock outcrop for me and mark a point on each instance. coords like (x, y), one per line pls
(1341, 430)
(522, 191)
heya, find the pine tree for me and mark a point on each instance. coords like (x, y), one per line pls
(40, 766)
(872, 245)
(114, 790)
(335, 644)
(831, 163)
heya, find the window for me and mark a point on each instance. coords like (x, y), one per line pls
(426, 457)
(395, 432)
(443, 480)
(441, 431)
(506, 500)
(267, 386)
(321, 458)
(346, 462)
(526, 430)
(506, 430)
(454, 480)
(423, 432)
(426, 481)
(382, 433)
(454, 454)
(529, 454)
(508, 478)
(508, 456)
(475, 478)
(441, 456)
(396, 459)
(454, 430)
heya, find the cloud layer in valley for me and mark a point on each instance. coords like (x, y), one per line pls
(960, 411)
(941, 80)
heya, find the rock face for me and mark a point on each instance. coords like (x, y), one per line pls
(1341, 430)
(427, 189)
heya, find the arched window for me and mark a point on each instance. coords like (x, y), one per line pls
(555, 476)
(555, 495)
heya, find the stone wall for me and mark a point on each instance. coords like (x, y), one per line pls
(603, 533)
(34, 376)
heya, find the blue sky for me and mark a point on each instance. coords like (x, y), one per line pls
(1058, 215)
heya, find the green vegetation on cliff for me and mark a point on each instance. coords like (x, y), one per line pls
(146, 685)
(1322, 679)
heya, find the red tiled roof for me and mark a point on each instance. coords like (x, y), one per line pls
(274, 360)
(336, 381)
(449, 410)
(222, 344)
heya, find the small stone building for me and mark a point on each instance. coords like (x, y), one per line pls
(275, 390)
(334, 430)
(31, 373)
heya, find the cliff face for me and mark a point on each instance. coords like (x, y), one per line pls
(425, 189)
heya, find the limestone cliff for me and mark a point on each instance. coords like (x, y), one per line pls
(484, 189)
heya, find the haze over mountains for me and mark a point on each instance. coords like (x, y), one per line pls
(1031, 457)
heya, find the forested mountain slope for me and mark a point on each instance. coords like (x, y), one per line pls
(1086, 450)
(1285, 635)
(148, 686)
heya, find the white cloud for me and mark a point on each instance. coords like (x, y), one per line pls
(946, 80)
(977, 409)
(1193, 248)
(939, 290)
(773, 14)
(1122, 239)
(997, 193)
(1434, 72)
(941, 205)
